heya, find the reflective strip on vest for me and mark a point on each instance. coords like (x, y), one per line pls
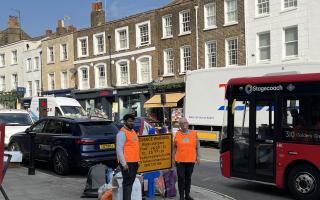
(131, 148)
(186, 147)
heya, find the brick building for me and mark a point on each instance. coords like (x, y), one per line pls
(58, 74)
(119, 65)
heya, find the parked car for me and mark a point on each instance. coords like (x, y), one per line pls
(15, 122)
(69, 142)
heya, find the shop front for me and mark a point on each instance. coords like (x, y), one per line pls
(131, 101)
(96, 102)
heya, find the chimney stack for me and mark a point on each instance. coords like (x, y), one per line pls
(60, 27)
(97, 14)
(71, 29)
(13, 22)
(48, 32)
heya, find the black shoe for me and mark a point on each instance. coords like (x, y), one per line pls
(189, 198)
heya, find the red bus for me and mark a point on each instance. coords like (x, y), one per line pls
(272, 132)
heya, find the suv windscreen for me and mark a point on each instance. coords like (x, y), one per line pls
(98, 128)
(73, 110)
(15, 119)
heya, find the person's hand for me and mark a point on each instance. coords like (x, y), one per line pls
(126, 167)
(198, 161)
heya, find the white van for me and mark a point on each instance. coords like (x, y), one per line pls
(58, 106)
(16, 121)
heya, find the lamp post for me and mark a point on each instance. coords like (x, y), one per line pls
(110, 68)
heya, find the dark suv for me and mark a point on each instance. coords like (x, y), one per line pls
(67, 142)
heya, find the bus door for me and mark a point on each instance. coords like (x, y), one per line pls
(253, 139)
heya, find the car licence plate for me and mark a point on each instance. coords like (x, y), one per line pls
(107, 146)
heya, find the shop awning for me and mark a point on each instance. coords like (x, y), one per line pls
(172, 100)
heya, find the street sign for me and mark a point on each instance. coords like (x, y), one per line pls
(155, 152)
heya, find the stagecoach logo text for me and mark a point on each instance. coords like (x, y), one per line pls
(249, 88)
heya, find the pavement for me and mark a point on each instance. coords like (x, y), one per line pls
(43, 186)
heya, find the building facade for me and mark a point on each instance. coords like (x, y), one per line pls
(282, 32)
(31, 59)
(58, 74)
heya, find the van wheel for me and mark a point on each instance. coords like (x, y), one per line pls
(304, 182)
(60, 163)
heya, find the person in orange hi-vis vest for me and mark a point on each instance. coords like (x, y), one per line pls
(186, 154)
(128, 152)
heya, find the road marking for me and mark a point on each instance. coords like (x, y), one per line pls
(206, 160)
(212, 191)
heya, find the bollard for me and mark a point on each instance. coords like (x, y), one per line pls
(31, 168)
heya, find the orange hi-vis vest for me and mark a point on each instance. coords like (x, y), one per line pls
(131, 146)
(186, 147)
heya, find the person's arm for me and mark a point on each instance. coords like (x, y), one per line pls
(121, 139)
(198, 150)
(174, 149)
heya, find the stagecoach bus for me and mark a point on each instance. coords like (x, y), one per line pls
(271, 132)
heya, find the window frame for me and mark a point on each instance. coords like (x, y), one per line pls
(97, 75)
(29, 65)
(64, 56)
(2, 83)
(226, 12)
(262, 14)
(64, 80)
(50, 55)
(283, 2)
(79, 47)
(2, 60)
(30, 94)
(294, 41)
(14, 81)
(263, 47)
(139, 69)
(205, 11)
(183, 68)
(138, 34)
(166, 60)
(81, 79)
(165, 26)
(96, 43)
(117, 38)
(118, 66)
(227, 51)
(50, 81)
(14, 56)
(181, 25)
(36, 63)
(207, 43)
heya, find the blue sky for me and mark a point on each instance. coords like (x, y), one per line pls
(39, 15)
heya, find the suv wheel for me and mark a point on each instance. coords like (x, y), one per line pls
(304, 182)
(60, 162)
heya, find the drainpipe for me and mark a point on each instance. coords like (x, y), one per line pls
(197, 36)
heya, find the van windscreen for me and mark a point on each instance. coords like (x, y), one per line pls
(73, 110)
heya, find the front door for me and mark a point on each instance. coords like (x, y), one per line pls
(253, 139)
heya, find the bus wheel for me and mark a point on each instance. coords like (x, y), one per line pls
(304, 182)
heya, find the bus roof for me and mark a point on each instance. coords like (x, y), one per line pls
(312, 77)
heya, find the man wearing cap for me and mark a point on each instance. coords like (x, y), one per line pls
(128, 153)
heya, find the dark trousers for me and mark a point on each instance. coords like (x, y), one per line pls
(184, 172)
(128, 179)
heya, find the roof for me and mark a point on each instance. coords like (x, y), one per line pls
(13, 111)
(78, 120)
(312, 77)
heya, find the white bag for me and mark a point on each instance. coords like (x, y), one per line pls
(117, 191)
(103, 189)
